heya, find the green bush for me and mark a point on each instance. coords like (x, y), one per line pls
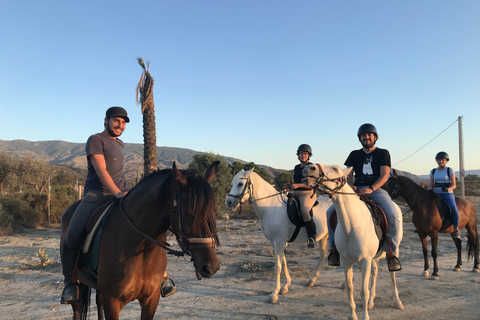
(6, 222)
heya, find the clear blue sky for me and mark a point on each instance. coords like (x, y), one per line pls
(249, 79)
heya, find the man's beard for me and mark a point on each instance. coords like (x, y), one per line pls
(111, 133)
(368, 145)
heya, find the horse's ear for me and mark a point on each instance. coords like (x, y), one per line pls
(394, 174)
(250, 171)
(212, 171)
(178, 175)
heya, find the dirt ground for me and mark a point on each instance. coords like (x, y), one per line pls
(241, 288)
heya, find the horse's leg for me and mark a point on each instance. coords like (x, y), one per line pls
(321, 261)
(373, 284)
(434, 239)
(279, 256)
(365, 293)
(284, 289)
(149, 305)
(458, 244)
(77, 310)
(397, 303)
(424, 240)
(99, 302)
(112, 307)
(349, 281)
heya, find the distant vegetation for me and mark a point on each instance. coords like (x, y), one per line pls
(34, 193)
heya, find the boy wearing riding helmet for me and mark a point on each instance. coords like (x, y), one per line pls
(306, 196)
(371, 166)
(442, 182)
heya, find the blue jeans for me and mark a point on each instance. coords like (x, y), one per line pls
(450, 198)
(384, 201)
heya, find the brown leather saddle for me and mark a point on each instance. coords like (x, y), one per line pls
(379, 220)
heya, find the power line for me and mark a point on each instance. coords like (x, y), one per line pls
(427, 143)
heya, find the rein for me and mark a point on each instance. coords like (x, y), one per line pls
(184, 242)
(249, 186)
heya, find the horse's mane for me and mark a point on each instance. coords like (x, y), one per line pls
(203, 207)
(415, 193)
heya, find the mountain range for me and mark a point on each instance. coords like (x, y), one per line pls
(70, 154)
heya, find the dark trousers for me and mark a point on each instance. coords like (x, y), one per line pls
(76, 229)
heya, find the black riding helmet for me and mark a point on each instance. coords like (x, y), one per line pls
(367, 128)
(442, 155)
(305, 147)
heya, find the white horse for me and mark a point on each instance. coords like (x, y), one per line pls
(271, 209)
(355, 236)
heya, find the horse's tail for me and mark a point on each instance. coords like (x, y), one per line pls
(85, 293)
(472, 242)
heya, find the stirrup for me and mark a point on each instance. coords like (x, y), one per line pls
(394, 264)
(71, 297)
(311, 243)
(165, 289)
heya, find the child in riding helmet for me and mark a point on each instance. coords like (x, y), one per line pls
(306, 196)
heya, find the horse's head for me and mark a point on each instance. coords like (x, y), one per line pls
(194, 218)
(327, 179)
(393, 185)
(240, 191)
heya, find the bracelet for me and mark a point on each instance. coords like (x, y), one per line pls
(371, 188)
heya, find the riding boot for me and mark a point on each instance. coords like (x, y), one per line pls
(311, 232)
(70, 292)
(334, 257)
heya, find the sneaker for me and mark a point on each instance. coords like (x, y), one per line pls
(394, 264)
(456, 234)
(167, 289)
(334, 258)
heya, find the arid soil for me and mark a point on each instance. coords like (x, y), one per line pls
(241, 288)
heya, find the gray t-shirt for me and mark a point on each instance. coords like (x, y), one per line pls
(111, 149)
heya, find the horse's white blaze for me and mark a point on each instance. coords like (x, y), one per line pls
(272, 212)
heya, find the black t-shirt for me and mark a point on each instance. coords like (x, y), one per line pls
(367, 166)
(297, 173)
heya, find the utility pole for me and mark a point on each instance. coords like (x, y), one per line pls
(460, 144)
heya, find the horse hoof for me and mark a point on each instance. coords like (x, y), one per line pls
(399, 305)
(273, 299)
(434, 277)
(476, 270)
(310, 283)
(456, 269)
(283, 291)
(426, 274)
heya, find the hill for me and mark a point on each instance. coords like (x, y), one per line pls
(70, 154)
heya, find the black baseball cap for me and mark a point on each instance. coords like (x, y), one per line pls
(117, 112)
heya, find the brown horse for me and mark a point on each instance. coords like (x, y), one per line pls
(131, 265)
(428, 221)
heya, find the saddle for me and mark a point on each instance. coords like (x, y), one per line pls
(294, 214)
(89, 255)
(445, 212)
(379, 220)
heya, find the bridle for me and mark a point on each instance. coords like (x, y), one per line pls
(339, 183)
(248, 189)
(185, 243)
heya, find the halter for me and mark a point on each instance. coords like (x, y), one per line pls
(184, 242)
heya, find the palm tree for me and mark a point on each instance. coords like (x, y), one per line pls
(145, 91)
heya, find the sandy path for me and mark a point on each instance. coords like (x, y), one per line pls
(240, 289)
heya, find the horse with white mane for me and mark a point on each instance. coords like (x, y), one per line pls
(355, 236)
(271, 208)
